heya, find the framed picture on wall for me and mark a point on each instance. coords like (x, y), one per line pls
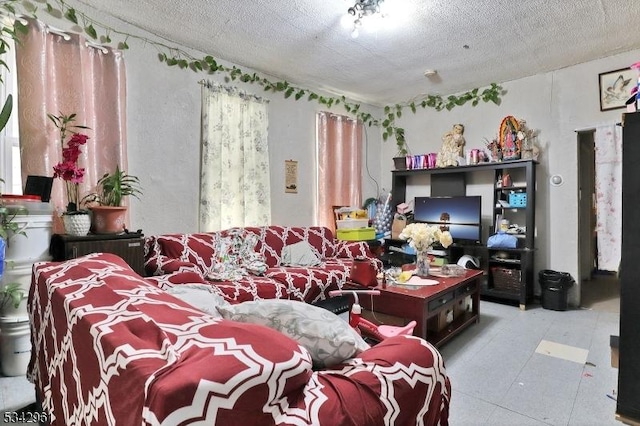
(615, 88)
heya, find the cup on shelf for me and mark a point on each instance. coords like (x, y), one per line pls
(431, 160)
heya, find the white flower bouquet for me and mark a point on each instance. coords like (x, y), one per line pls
(422, 236)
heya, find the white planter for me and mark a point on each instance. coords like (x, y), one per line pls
(76, 224)
(15, 346)
(34, 245)
(22, 251)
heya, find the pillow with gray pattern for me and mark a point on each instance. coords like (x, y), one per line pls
(328, 338)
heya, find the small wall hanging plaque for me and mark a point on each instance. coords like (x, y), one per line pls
(291, 176)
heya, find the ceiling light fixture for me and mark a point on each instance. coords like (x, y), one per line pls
(362, 9)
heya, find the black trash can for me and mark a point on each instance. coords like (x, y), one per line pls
(555, 286)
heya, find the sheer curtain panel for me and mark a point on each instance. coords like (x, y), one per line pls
(608, 147)
(61, 73)
(339, 175)
(235, 179)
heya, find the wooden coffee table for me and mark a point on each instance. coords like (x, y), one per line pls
(441, 310)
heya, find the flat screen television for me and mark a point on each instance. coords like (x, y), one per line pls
(461, 216)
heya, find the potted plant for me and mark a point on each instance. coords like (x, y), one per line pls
(400, 160)
(108, 214)
(76, 221)
(11, 296)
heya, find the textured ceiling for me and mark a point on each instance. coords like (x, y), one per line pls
(303, 41)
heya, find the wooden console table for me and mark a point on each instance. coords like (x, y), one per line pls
(129, 247)
(429, 306)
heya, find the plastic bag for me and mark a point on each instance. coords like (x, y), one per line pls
(502, 240)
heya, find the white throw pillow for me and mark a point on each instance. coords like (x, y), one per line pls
(328, 338)
(199, 296)
(299, 254)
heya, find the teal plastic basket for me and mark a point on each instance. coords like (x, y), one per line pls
(518, 199)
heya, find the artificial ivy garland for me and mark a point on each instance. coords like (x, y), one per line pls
(173, 56)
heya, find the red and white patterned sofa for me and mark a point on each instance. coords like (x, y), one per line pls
(199, 252)
(111, 348)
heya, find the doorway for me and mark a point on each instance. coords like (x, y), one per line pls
(599, 290)
(587, 241)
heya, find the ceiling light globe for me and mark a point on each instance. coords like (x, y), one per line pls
(346, 22)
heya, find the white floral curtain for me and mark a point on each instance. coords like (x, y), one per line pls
(234, 180)
(608, 151)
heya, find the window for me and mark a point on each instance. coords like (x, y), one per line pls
(339, 155)
(10, 170)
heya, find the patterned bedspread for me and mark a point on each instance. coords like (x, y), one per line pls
(111, 348)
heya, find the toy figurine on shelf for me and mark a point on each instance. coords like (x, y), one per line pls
(452, 147)
(494, 148)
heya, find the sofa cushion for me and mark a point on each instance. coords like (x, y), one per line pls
(251, 287)
(272, 239)
(329, 339)
(299, 254)
(311, 283)
(197, 249)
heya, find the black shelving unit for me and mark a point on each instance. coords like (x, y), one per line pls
(451, 181)
(513, 201)
(628, 405)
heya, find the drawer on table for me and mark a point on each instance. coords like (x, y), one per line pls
(440, 300)
(466, 289)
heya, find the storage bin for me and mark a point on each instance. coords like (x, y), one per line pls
(441, 321)
(461, 307)
(506, 278)
(352, 223)
(518, 199)
(361, 234)
(26, 205)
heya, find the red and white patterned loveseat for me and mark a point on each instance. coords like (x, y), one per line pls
(111, 348)
(201, 253)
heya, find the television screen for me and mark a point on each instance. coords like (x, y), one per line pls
(461, 216)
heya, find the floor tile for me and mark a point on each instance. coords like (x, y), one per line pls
(466, 410)
(566, 352)
(545, 390)
(17, 392)
(592, 406)
(504, 417)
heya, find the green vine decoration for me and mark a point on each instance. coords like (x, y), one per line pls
(173, 56)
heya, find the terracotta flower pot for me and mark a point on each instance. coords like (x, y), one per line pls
(107, 219)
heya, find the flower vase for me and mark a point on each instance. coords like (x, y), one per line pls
(422, 263)
(76, 224)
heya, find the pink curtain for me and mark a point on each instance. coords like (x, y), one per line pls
(62, 74)
(339, 165)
